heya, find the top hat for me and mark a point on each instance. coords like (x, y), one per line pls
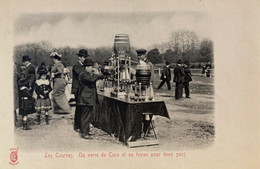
(83, 52)
(88, 62)
(179, 61)
(141, 52)
(26, 58)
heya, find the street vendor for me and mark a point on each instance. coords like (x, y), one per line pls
(141, 54)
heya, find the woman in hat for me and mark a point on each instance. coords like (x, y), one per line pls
(26, 83)
(42, 89)
(60, 102)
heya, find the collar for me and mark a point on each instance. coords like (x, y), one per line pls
(42, 82)
(28, 64)
(80, 63)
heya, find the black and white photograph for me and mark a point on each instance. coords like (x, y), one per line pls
(93, 80)
(139, 82)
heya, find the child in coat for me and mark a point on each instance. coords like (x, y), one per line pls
(43, 103)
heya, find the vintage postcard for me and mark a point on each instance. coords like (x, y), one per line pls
(112, 84)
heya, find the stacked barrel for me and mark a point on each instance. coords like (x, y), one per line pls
(143, 74)
(121, 44)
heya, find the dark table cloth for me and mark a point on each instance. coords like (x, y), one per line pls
(123, 117)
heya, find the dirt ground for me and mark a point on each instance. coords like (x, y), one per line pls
(191, 125)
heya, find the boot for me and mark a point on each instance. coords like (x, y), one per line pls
(47, 119)
(25, 126)
(38, 119)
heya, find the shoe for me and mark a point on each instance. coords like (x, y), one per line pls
(188, 97)
(86, 137)
(77, 130)
(91, 134)
(25, 126)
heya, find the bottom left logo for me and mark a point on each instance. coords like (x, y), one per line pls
(13, 156)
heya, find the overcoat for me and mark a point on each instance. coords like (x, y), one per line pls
(187, 76)
(166, 72)
(77, 68)
(87, 92)
(178, 74)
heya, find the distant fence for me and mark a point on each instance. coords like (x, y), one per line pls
(194, 72)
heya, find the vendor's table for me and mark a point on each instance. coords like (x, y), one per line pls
(123, 117)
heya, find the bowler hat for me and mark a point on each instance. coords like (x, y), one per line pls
(88, 62)
(83, 52)
(26, 58)
(140, 52)
(179, 61)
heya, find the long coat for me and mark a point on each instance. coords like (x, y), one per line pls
(26, 81)
(166, 72)
(58, 70)
(77, 68)
(87, 92)
(178, 74)
(27, 77)
(187, 76)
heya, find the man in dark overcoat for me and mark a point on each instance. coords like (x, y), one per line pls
(166, 76)
(187, 78)
(178, 79)
(76, 70)
(87, 95)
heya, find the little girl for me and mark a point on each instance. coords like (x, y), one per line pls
(42, 89)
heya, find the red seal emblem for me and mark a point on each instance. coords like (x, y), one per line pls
(14, 156)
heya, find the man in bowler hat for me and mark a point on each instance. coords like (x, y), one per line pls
(187, 78)
(76, 70)
(166, 76)
(87, 95)
(178, 79)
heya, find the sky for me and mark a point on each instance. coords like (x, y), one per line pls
(99, 29)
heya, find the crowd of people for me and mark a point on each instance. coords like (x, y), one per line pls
(55, 80)
(182, 77)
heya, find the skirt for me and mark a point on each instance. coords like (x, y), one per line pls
(60, 102)
(26, 103)
(43, 104)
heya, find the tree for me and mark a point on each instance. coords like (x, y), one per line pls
(169, 56)
(206, 50)
(154, 56)
(184, 43)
